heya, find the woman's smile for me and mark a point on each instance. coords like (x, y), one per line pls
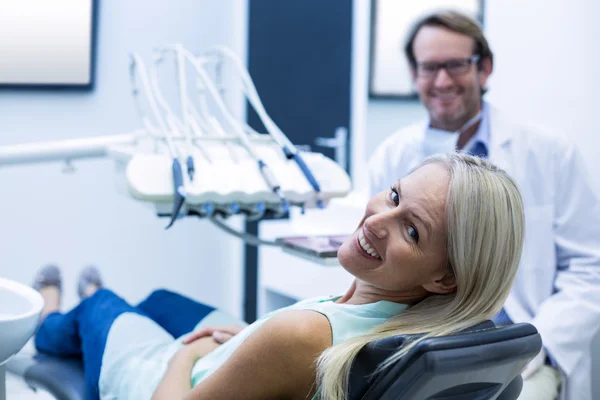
(364, 247)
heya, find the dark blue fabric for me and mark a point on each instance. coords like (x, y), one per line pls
(83, 331)
(502, 318)
(479, 149)
(175, 313)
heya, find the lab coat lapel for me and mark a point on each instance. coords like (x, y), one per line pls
(501, 136)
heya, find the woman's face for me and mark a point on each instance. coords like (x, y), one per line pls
(400, 244)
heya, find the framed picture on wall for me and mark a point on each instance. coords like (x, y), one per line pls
(47, 43)
(390, 21)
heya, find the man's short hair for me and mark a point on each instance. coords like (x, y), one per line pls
(454, 21)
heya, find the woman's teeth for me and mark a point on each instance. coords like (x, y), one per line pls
(366, 247)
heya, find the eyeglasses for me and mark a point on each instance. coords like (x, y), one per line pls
(454, 67)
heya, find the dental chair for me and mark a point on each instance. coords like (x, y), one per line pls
(481, 363)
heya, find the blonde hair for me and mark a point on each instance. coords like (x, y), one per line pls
(484, 240)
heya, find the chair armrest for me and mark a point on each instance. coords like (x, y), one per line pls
(63, 378)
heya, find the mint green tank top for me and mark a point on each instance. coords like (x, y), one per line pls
(346, 320)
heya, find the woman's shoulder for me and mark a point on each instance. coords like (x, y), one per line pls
(302, 326)
(289, 345)
(275, 361)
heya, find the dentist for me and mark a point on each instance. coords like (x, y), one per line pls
(558, 284)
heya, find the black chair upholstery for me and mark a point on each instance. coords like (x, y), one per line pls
(61, 377)
(481, 363)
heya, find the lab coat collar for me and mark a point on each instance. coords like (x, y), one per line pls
(501, 132)
(482, 135)
(497, 133)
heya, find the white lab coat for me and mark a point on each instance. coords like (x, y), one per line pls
(562, 244)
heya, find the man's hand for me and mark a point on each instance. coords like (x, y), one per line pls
(220, 334)
(534, 365)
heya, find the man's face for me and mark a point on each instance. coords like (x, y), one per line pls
(451, 99)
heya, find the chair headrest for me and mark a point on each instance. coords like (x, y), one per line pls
(372, 355)
(378, 351)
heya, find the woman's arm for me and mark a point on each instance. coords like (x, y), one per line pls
(177, 383)
(275, 362)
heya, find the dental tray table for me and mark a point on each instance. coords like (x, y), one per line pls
(319, 249)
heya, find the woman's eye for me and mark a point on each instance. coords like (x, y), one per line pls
(412, 232)
(394, 196)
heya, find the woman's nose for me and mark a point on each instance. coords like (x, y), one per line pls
(378, 224)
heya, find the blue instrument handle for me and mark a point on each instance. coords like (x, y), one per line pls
(306, 171)
(178, 191)
(191, 169)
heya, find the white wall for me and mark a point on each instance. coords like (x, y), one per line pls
(76, 219)
(546, 67)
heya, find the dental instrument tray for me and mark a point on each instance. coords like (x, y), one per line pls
(232, 187)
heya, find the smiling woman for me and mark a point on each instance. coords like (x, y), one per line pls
(427, 258)
(452, 275)
(400, 247)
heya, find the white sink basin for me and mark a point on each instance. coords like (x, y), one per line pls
(20, 309)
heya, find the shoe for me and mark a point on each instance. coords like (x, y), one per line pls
(48, 276)
(88, 276)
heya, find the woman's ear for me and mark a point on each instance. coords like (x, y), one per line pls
(443, 285)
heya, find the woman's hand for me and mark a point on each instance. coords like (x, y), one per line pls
(203, 341)
(176, 382)
(220, 334)
(197, 348)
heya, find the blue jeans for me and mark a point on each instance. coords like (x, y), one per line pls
(83, 331)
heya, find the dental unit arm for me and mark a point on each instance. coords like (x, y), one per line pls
(229, 174)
